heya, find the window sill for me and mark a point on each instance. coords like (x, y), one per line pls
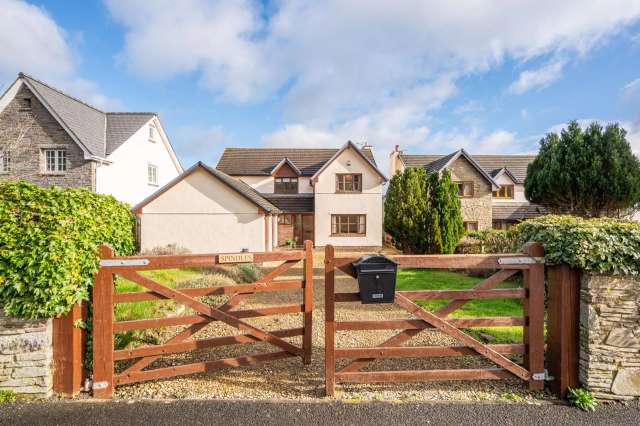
(152, 140)
(53, 173)
(348, 192)
(152, 184)
(348, 235)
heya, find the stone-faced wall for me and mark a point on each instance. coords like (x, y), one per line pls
(610, 336)
(26, 354)
(478, 207)
(26, 116)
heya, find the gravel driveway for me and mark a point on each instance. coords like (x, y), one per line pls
(290, 379)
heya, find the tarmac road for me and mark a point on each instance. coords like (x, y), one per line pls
(255, 413)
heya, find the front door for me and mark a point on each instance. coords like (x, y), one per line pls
(303, 228)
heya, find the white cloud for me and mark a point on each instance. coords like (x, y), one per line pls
(631, 89)
(524, 113)
(469, 107)
(538, 78)
(359, 69)
(32, 42)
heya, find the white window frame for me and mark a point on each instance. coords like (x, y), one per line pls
(152, 133)
(5, 161)
(152, 174)
(59, 160)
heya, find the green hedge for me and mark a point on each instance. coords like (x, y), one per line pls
(602, 246)
(49, 241)
(489, 241)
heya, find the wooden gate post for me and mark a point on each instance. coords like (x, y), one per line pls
(307, 340)
(329, 321)
(563, 331)
(534, 310)
(103, 329)
(68, 351)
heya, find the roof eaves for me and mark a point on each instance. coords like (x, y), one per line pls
(76, 139)
(349, 144)
(474, 163)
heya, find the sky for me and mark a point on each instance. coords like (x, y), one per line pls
(430, 76)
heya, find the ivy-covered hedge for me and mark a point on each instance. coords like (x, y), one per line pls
(602, 246)
(49, 241)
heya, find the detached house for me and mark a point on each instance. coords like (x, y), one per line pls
(51, 138)
(490, 187)
(258, 199)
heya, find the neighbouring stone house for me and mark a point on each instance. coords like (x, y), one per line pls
(258, 199)
(51, 138)
(490, 187)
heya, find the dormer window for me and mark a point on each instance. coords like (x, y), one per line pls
(285, 185)
(152, 133)
(505, 192)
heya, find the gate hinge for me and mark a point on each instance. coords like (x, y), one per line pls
(100, 385)
(542, 376)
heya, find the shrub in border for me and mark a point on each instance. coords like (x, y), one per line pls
(49, 241)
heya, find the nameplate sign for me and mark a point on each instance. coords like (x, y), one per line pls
(235, 258)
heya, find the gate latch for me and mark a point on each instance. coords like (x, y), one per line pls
(542, 376)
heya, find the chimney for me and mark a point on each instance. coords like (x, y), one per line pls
(395, 163)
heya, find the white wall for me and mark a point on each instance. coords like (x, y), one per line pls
(203, 215)
(518, 191)
(328, 202)
(264, 184)
(126, 177)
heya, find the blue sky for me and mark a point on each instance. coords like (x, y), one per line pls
(492, 77)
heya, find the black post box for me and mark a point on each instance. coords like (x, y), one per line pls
(376, 278)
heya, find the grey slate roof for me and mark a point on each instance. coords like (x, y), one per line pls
(298, 203)
(99, 132)
(122, 125)
(516, 164)
(261, 161)
(516, 211)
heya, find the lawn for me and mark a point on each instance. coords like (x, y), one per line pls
(437, 279)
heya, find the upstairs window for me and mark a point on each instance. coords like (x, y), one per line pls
(152, 133)
(152, 174)
(285, 185)
(348, 224)
(349, 183)
(5, 162)
(285, 219)
(505, 191)
(55, 160)
(465, 189)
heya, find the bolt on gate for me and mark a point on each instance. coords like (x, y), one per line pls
(104, 327)
(530, 262)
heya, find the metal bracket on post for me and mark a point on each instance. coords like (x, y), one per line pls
(542, 376)
(100, 385)
(124, 262)
(525, 260)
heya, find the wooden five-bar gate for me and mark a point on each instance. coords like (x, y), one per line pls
(104, 327)
(530, 262)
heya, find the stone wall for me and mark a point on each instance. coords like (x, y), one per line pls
(476, 208)
(610, 336)
(26, 354)
(27, 119)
